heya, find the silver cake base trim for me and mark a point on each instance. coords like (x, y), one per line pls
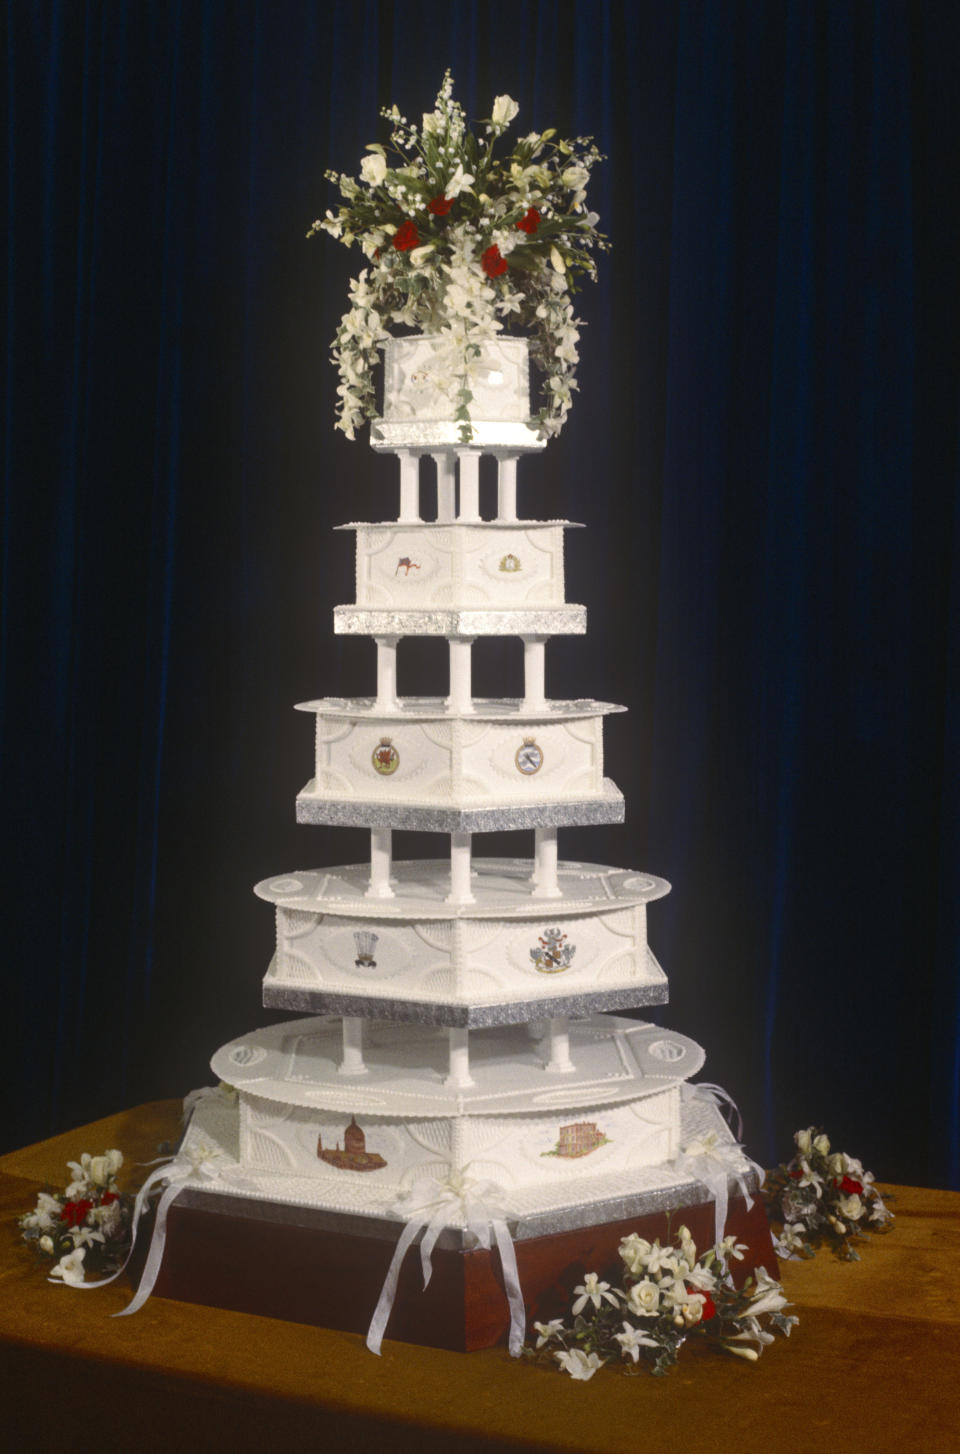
(457, 622)
(351, 813)
(278, 996)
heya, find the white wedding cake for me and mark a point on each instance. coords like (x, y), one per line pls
(461, 1012)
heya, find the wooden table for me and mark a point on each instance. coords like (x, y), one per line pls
(873, 1366)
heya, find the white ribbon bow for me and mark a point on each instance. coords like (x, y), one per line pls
(430, 1206)
(712, 1161)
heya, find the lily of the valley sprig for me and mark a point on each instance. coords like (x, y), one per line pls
(668, 1295)
(823, 1198)
(463, 238)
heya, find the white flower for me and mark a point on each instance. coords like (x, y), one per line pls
(804, 1141)
(548, 1330)
(809, 1177)
(373, 168)
(631, 1340)
(418, 254)
(579, 1364)
(701, 1278)
(85, 1237)
(768, 1297)
(821, 1144)
(46, 1244)
(644, 1299)
(792, 1237)
(591, 1290)
(104, 1168)
(661, 1259)
(70, 1267)
(46, 1215)
(556, 260)
(504, 110)
(459, 182)
(633, 1250)
(850, 1207)
(576, 178)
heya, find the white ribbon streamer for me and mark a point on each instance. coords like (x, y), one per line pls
(712, 1161)
(430, 1206)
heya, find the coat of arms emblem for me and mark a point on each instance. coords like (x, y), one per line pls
(385, 757)
(552, 953)
(510, 563)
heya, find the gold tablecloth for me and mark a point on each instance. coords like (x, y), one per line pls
(873, 1366)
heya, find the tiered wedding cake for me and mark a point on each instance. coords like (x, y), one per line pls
(464, 1063)
(459, 1007)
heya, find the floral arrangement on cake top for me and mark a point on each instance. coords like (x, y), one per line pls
(668, 1295)
(823, 1198)
(463, 236)
(87, 1227)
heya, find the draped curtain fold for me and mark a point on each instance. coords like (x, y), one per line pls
(765, 449)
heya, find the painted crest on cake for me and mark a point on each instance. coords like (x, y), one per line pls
(406, 565)
(510, 563)
(552, 953)
(578, 1139)
(366, 942)
(385, 757)
(353, 1155)
(529, 757)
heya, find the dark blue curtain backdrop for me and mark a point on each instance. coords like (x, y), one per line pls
(765, 451)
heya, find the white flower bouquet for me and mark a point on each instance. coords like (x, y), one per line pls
(823, 1198)
(87, 1226)
(668, 1295)
(461, 238)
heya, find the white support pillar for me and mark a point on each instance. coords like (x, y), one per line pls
(559, 1062)
(386, 673)
(460, 849)
(380, 864)
(446, 485)
(534, 672)
(461, 662)
(352, 1062)
(459, 1075)
(545, 884)
(409, 484)
(506, 487)
(469, 460)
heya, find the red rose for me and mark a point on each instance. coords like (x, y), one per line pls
(796, 1174)
(440, 206)
(406, 236)
(709, 1307)
(108, 1197)
(74, 1213)
(493, 263)
(849, 1186)
(530, 220)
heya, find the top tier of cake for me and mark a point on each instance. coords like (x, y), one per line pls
(424, 379)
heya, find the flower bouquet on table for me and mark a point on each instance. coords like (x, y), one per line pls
(87, 1226)
(463, 236)
(668, 1295)
(822, 1198)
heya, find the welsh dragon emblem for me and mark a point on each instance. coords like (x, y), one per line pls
(552, 953)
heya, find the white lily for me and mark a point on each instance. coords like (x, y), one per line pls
(592, 1290)
(548, 1330)
(631, 1340)
(459, 182)
(70, 1268)
(578, 1364)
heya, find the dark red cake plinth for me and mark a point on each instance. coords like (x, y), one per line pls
(332, 1278)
